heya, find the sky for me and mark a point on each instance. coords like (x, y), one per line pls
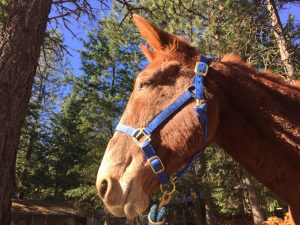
(81, 29)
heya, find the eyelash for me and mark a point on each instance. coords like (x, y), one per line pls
(142, 84)
(140, 87)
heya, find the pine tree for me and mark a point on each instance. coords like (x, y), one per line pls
(21, 37)
(35, 182)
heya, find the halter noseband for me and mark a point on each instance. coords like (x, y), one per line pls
(142, 136)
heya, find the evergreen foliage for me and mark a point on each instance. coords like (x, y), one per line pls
(33, 160)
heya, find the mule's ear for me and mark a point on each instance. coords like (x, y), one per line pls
(147, 52)
(156, 37)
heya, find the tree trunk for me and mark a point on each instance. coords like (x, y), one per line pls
(33, 137)
(210, 217)
(20, 40)
(257, 214)
(195, 189)
(282, 43)
(198, 220)
(183, 216)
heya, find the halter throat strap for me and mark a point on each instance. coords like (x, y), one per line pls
(142, 136)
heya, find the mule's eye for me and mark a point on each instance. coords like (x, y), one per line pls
(143, 84)
(140, 87)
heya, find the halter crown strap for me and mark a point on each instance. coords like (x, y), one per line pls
(142, 136)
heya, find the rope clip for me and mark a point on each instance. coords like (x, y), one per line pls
(167, 194)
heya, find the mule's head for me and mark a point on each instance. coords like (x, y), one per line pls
(125, 179)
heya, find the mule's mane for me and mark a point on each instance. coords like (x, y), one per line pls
(234, 59)
(263, 99)
(266, 77)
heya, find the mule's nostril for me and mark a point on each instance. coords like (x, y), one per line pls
(103, 188)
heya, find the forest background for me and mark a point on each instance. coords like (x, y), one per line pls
(76, 103)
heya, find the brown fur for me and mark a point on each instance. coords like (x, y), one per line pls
(264, 112)
(253, 116)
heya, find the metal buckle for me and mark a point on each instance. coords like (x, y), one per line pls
(199, 102)
(162, 165)
(141, 137)
(197, 71)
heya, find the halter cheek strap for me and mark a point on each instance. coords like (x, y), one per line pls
(142, 136)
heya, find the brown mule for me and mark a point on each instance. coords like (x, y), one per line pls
(253, 116)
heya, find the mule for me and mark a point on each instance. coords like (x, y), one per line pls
(254, 116)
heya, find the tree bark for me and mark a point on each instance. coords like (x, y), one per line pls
(198, 220)
(33, 137)
(282, 43)
(257, 214)
(20, 40)
(195, 188)
(210, 217)
(183, 216)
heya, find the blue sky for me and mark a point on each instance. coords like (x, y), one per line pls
(81, 29)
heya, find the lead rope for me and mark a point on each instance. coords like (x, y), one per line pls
(158, 213)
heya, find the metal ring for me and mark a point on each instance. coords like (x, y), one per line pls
(173, 189)
(155, 223)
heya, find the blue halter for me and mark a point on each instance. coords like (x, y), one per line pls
(142, 136)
